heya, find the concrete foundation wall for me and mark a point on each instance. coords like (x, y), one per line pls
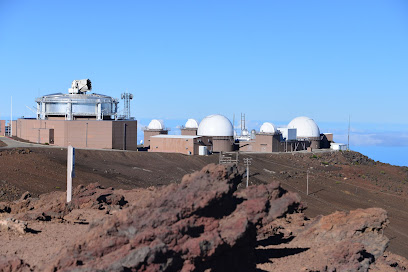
(124, 135)
(88, 134)
(246, 146)
(225, 144)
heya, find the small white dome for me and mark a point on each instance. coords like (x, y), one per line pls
(215, 125)
(268, 128)
(305, 127)
(156, 124)
(191, 123)
(245, 132)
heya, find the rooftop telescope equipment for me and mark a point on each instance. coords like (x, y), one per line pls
(77, 104)
(80, 86)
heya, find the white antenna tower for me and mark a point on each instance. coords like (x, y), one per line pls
(242, 122)
(348, 136)
(126, 100)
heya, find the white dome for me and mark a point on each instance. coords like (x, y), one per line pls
(305, 126)
(215, 125)
(191, 123)
(268, 128)
(156, 124)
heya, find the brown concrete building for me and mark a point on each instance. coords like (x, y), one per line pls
(108, 134)
(184, 144)
(222, 143)
(2, 127)
(148, 133)
(80, 119)
(268, 143)
(189, 131)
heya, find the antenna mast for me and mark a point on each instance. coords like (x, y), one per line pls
(126, 100)
(348, 136)
(242, 122)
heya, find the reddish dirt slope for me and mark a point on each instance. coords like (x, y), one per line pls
(337, 181)
(205, 223)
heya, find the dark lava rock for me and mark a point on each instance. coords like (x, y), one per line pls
(202, 223)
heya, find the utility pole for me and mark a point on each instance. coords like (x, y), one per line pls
(247, 162)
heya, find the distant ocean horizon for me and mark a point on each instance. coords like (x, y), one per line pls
(395, 155)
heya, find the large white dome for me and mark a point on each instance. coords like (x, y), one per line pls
(305, 127)
(191, 123)
(268, 128)
(156, 124)
(215, 125)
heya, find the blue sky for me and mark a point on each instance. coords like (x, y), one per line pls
(273, 60)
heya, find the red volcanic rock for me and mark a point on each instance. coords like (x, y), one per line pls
(201, 223)
(53, 205)
(337, 242)
(13, 265)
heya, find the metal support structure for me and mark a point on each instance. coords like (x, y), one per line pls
(247, 163)
(70, 171)
(69, 111)
(126, 101)
(242, 122)
(228, 157)
(99, 112)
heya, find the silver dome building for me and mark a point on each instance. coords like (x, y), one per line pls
(77, 104)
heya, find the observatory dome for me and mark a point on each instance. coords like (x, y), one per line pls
(191, 123)
(156, 124)
(305, 126)
(268, 127)
(215, 125)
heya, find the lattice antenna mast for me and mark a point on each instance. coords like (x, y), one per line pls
(242, 122)
(126, 101)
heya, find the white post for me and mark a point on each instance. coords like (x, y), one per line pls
(247, 175)
(247, 162)
(70, 171)
(307, 183)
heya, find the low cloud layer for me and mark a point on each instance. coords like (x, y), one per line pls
(374, 139)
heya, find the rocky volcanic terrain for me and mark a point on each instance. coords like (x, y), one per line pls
(204, 222)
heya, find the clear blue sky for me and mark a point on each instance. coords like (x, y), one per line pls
(273, 60)
(270, 59)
